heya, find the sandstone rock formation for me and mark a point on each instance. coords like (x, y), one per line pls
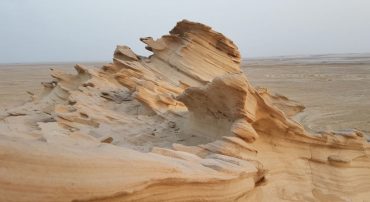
(183, 124)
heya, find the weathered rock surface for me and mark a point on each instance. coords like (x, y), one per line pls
(181, 125)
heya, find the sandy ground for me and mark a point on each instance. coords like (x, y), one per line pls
(17, 79)
(334, 88)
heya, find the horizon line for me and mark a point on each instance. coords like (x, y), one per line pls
(243, 58)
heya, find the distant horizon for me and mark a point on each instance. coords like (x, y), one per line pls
(243, 59)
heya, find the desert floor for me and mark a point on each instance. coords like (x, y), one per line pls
(335, 89)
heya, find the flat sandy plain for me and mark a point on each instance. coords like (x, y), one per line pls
(335, 89)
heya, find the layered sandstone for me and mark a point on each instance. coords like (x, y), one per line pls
(183, 124)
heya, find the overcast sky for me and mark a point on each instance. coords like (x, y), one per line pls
(89, 30)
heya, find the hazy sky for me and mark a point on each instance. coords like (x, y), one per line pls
(89, 30)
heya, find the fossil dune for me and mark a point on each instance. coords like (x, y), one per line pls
(183, 124)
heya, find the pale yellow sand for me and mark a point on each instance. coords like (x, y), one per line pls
(17, 79)
(335, 89)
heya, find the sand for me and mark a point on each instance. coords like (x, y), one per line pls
(333, 88)
(188, 124)
(18, 79)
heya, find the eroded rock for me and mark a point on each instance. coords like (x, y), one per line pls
(181, 125)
